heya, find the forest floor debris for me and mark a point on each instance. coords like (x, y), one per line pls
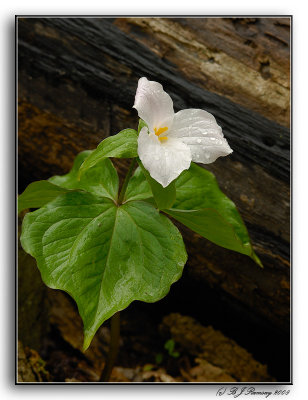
(178, 349)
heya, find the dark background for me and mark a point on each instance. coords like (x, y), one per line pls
(77, 79)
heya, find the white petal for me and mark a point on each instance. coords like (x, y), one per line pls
(164, 160)
(153, 104)
(199, 130)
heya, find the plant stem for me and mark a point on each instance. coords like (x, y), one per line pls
(125, 183)
(115, 319)
(113, 347)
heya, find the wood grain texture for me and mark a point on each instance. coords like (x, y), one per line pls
(212, 346)
(77, 81)
(244, 59)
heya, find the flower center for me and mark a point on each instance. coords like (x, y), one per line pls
(159, 131)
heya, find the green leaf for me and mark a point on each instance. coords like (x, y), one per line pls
(104, 256)
(71, 180)
(122, 145)
(148, 367)
(169, 345)
(37, 194)
(141, 124)
(102, 179)
(138, 187)
(202, 207)
(164, 197)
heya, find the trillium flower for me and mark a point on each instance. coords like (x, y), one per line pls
(171, 140)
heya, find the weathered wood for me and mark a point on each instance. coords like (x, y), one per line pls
(213, 347)
(244, 59)
(77, 81)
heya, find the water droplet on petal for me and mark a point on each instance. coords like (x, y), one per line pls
(212, 138)
(204, 133)
(198, 140)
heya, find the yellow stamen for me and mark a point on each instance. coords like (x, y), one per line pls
(159, 132)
